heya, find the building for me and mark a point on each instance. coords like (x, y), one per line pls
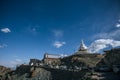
(51, 59)
(51, 56)
(35, 62)
(82, 49)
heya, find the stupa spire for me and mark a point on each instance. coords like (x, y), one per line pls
(82, 46)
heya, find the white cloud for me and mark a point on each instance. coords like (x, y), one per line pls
(5, 30)
(58, 33)
(63, 55)
(3, 45)
(58, 44)
(118, 25)
(100, 44)
(15, 62)
(18, 60)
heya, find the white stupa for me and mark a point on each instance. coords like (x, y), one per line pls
(82, 49)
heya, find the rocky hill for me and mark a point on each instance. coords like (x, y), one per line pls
(111, 57)
(82, 60)
(28, 72)
(4, 71)
(25, 72)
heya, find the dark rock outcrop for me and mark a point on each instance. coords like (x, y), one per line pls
(25, 72)
(111, 57)
(3, 72)
(82, 60)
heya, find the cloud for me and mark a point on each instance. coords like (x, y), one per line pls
(3, 45)
(63, 55)
(15, 62)
(118, 25)
(58, 33)
(18, 60)
(111, 35)
(58, 44)
(5, 30)
(100, 44)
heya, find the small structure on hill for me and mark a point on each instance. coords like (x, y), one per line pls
(51, 59)
(35, 62)
(48, 59)
(82, 49)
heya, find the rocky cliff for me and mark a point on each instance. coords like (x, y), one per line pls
(27, 72)
(111, 57)
(82, 60)
(3, 72)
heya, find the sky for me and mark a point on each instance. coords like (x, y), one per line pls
(30, 28)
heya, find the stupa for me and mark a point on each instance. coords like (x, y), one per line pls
(82, 49)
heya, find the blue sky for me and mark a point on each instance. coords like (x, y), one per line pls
(29, 28)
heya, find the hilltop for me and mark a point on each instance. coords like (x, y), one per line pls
(111, 57)
(74, 67)
(82, 60)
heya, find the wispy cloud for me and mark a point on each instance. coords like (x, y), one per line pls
(5, 30)
(63, 55)
(106, 40)
(3, 45)
(58, 44)
(58, 33)
(100, 44)
(114, 33)
(111, 35)
(15, 62)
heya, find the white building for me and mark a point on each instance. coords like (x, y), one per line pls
(82, 49)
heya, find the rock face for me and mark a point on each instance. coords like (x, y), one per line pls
(26, 72)
(35, 72)
(111, 57)
(3, 72)
(58, 74)
(82, 60)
